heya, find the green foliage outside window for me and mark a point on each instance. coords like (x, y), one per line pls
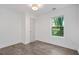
(58, 26)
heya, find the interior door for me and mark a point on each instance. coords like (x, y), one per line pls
(32, 29)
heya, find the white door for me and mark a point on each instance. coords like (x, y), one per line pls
(32, 29)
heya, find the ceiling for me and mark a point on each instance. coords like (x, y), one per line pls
(26, 8)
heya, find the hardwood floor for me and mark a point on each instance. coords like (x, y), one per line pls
(36, 48)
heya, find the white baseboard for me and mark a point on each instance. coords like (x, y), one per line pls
(8, 44)
(28, 42)
(59, 45)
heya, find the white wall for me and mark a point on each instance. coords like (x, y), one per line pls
(11, 31)
(14, 27)
(71, 27)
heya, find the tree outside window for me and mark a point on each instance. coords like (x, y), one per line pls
(58, 26)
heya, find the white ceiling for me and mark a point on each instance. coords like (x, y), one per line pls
(26, 8)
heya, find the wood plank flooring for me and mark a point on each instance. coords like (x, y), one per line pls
(36, 48)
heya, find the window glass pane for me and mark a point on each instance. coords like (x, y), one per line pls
(58, 26)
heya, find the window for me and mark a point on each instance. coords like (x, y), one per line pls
(58, 26)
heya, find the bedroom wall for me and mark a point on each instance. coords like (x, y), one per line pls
(71, 27)
(11, 23)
